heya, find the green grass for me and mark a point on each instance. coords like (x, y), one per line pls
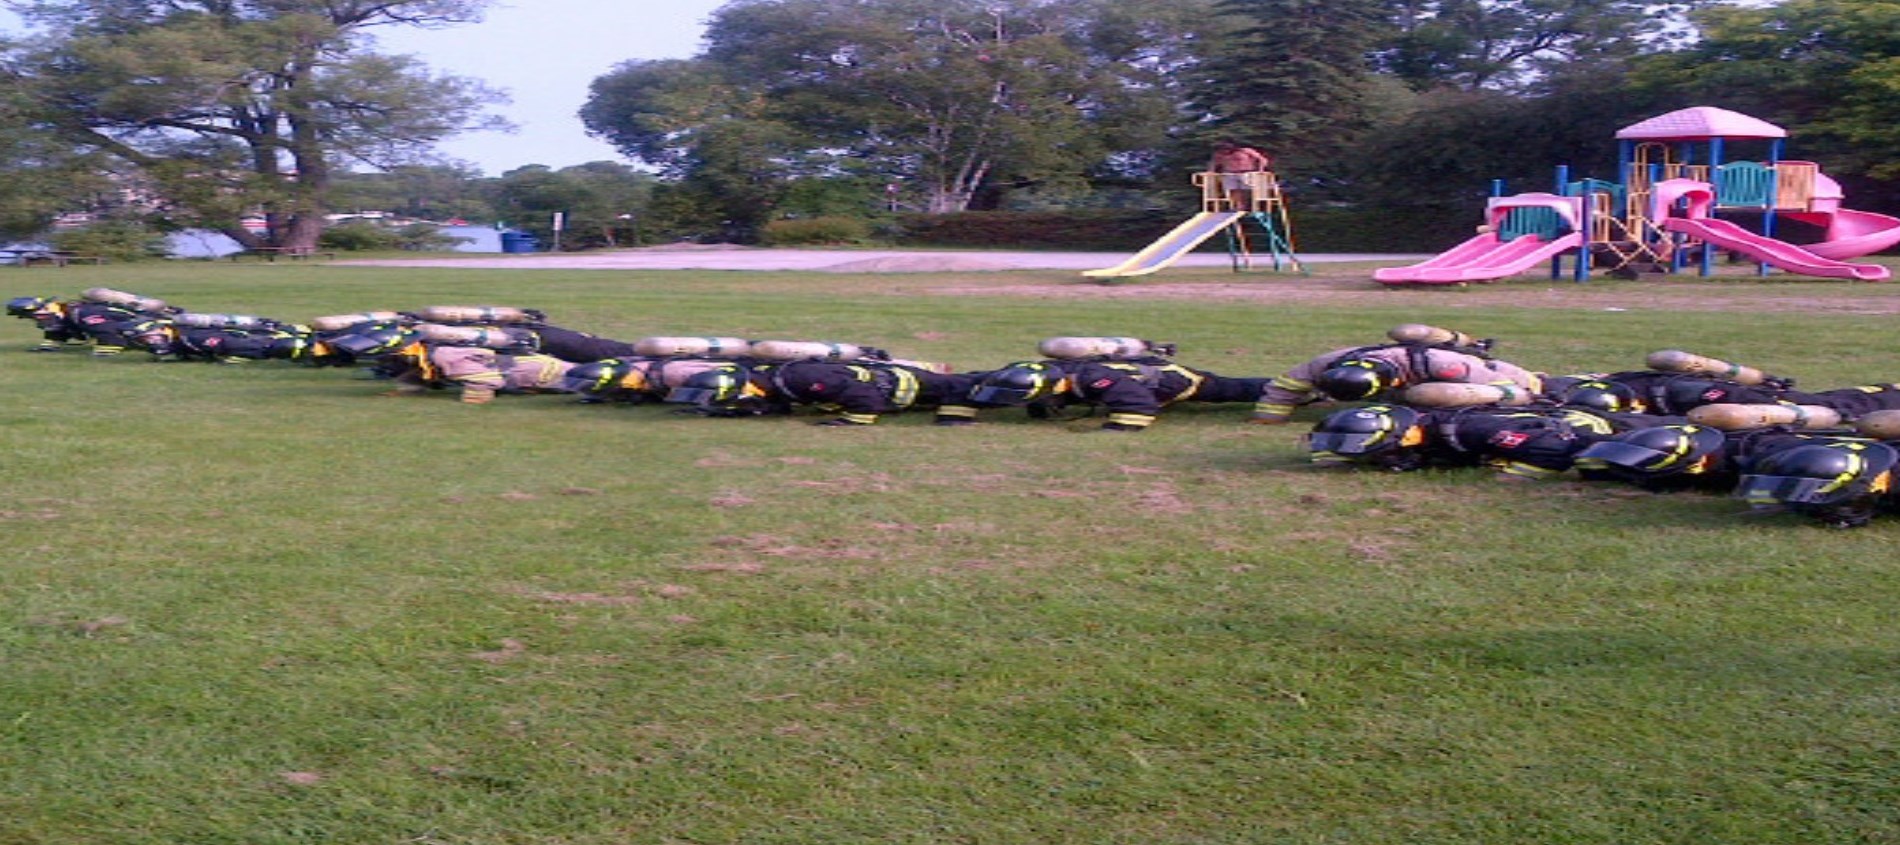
(262, 604)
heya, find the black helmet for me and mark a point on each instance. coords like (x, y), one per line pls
(1839, 482)
(1599, 395)
(1020, 384)
(158, 337)
(600, 378)
(727, 388)
(25, 306)
(1389, 435)
(373, 340)
(1647, 454)
(1357, 378)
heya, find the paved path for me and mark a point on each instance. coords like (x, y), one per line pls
(839, 261)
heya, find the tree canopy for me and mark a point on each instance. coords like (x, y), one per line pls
(223, 107)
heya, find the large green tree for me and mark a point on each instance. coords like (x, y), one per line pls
(1293, 76)
(227, 107)
(1514, 45)
(1828, 70)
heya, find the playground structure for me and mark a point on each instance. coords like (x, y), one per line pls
(1260, 227)
(1663, 214)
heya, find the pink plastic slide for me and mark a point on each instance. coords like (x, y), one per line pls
(1781, 254)
(1480, 259)
(1484, 257)
(1848, 232)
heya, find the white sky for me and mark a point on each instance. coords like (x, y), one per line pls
(543, 53)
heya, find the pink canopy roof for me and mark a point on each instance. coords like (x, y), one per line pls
(1700, 124)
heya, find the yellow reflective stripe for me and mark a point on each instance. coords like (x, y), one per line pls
(861, 419)
(1275, 409)
(1141, 420)
(1194, 383)
(906, 392)
(1527, 471)
(1293, 384)
(957, 411)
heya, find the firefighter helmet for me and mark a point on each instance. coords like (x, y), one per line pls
(26, 306)
(373, 340)
(725, 389)
(1020, 384)
(1600, 395)
(1392, 436)
(1357, 378)
(1841, 483)
(1647, 455)
(599, 379)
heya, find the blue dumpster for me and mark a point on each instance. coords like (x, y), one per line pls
(517, 242)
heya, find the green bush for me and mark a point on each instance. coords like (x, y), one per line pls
(816, 230)
(114, 240)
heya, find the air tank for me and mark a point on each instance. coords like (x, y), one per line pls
(1446, 394)
(1734, 417)
(805, 350)
(1113, 348)
(486, 337)
(488, 314)
(119, 297)
(710, 347)
(1882, 425)
(1678, 361)
(1421, 333)
(222, 321)
(339, 322)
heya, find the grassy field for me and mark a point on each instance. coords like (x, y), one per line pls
(262, 604)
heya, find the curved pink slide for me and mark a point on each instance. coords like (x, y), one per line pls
(1779, 253)
(1481, 259)
(1850, 233)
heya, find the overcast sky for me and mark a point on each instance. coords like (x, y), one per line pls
(544, 53)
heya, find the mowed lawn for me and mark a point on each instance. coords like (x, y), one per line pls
(264, 604)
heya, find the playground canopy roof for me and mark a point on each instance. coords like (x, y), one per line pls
(1701, 123)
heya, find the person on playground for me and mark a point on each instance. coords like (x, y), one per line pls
(1378, 373)
(1232, 161)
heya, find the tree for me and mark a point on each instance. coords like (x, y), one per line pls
(1827, 70)
(1512, 45)
(944, 96)
(600, 201)
(1294, 75)
(224, 107)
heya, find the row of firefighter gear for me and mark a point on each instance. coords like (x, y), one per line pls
(1440, 397)
(488, 350)
(1829, 455)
